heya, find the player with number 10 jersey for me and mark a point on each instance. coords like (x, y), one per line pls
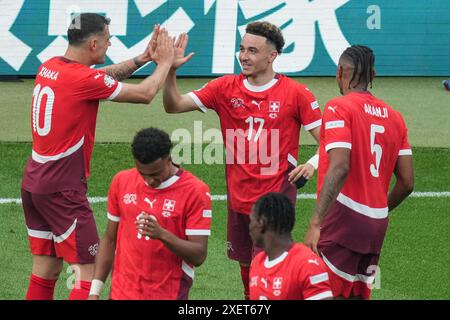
(63, 116)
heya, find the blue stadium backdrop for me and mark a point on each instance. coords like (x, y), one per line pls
(408, 37)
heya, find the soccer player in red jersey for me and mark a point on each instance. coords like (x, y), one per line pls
(285, 270)
(159, 223)
(261, 113)
(362, 142)
(65, 102)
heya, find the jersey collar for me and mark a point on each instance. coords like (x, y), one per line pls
(169, 182)
(262, 88)
(270, 264)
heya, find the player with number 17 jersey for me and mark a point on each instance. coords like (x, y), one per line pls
(260, 128)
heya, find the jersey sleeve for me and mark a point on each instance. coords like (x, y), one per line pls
(336, 127)
(308, 109)
(205, 97)
(113, 201)
(405, 149)
(314, 281)
(97, 85)
(199, 214)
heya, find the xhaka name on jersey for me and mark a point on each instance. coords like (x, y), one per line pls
(49, 74)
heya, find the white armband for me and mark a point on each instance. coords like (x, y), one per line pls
(96, 287)
(314, 161)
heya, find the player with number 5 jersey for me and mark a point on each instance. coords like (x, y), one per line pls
(363, 142)
(64, 109)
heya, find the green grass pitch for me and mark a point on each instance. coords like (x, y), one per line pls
(416, 253)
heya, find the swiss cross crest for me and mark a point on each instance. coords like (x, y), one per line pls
(254, 281)
(277, 283)
(274, 106)
(109, 81)
(236, 102)
(169, 205)
(129, 198)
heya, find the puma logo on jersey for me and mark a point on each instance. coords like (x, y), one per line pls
(332, 109)
(149, 202)
(264, 281)
(257, 104)
(98, 75)
(313, 261)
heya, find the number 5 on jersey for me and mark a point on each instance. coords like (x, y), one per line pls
(375, 148)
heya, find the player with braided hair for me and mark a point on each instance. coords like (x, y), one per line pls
(362, 142)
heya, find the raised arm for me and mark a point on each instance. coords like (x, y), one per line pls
(404, 183)
(173, 101)
(145, 91)
(104, 259)
(124, 70)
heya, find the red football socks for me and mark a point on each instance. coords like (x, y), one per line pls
(40, 289)
(80, 291)
(245, 275)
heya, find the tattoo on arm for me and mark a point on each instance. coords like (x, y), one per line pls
(123, 70)
(137, 63)
(332, 185)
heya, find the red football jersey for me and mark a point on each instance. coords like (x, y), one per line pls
(144, 268)
(260, 129)
(63, 116)
(377, 136)
(298, 274)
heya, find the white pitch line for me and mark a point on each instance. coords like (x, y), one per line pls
(223, 197)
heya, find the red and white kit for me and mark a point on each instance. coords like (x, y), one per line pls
(357, 222)
(298, 274)
(63, 115)
(143, 267)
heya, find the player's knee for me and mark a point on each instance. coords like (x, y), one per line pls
(84, 272)
(47, 267)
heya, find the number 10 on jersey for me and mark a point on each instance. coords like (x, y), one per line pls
(36, 113)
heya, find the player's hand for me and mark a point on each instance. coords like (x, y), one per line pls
(180, 48)
(149, 52)
(93, 297)
(164, 48)
(312, 235)
(148, 226)
(306, 170)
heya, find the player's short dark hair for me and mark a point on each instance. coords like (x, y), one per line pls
(85, 25)
(363, 60)
(151, 144)
(277, 211)
(269, 31)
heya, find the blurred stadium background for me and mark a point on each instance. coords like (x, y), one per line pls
(412, 47)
